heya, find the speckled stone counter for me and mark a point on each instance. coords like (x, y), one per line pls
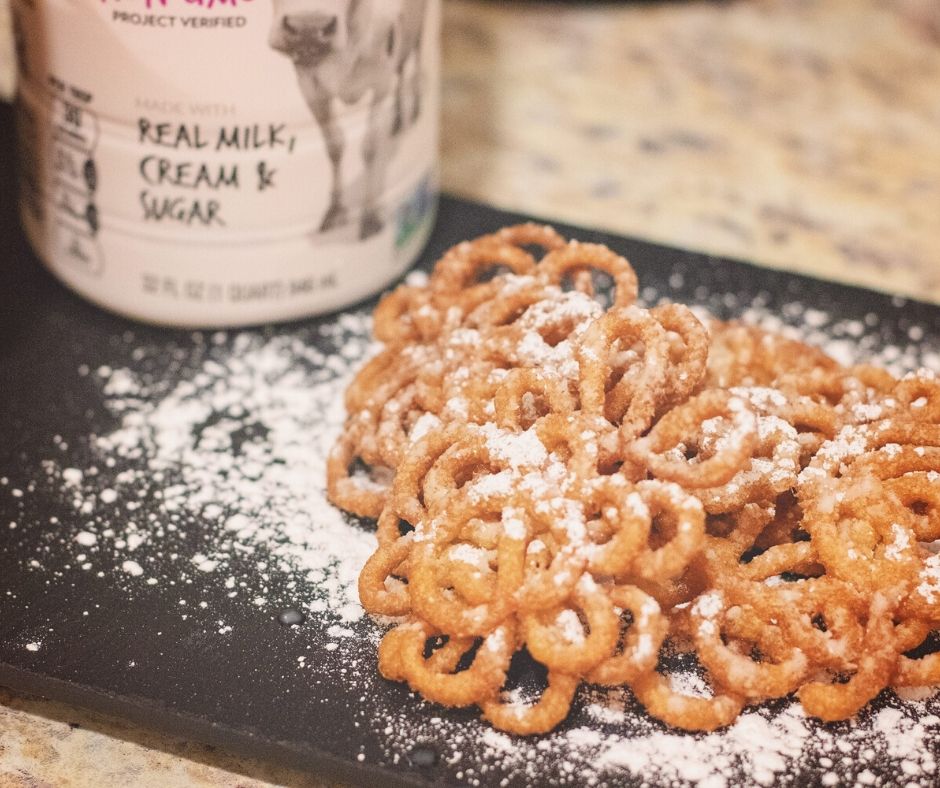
(801, 135)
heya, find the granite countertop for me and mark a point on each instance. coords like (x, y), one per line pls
(799, 135)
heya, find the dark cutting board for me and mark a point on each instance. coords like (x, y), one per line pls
(115, 644)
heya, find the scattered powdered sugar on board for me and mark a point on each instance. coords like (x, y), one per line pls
(611, 741)
(242, 444)
(212, 468)
(228, 453)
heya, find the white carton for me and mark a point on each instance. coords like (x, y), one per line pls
(227, 162)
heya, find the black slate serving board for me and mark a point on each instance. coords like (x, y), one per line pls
(133, 654)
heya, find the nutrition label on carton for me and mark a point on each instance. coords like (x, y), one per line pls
(73, 176)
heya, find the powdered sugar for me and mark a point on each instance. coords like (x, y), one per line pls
(132, 568)
(569, 625)
(707, 607)
(901, 542)
(759, 747)
(86, 538)
(611, 742)
(518, 449)
(226, 455)
(468, 554)
(929, 586)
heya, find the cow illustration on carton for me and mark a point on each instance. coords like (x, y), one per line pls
(347, 51)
